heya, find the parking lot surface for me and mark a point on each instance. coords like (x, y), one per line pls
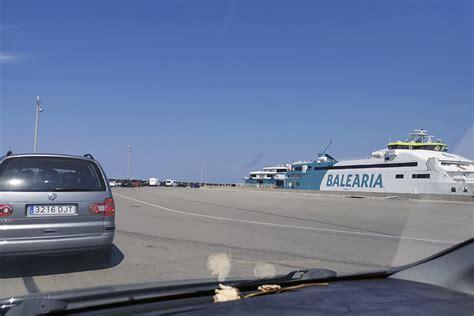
(183, 233)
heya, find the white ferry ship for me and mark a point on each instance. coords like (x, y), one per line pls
(272, 176)
(419, 165)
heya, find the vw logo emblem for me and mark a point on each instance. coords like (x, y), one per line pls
(52, 196)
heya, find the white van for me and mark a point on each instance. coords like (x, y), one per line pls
(170, 183)
(153, 182)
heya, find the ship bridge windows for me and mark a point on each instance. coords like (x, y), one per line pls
(417, 146)
(399, 176)
(398, 147)
(420, 176)
(429, 147)
(299, 168)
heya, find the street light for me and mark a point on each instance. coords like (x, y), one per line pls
(38, 109)
(128, 164)
(202, 172)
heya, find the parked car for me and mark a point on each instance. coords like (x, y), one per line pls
(137, 183)
(127, 183)
(195, 185)
(55, 204)
(113, 183)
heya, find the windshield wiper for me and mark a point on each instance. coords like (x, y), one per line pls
(34, 307)
(297, 275)
(68, 301)
(141, 293)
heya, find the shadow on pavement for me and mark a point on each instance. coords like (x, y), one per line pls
(30, 266)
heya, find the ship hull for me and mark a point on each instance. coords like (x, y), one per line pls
(410, 172)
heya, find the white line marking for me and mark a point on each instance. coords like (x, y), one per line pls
(289, 226)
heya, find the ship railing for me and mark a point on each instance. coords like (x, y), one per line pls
(360, 158)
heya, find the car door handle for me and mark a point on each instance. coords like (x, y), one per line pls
(51, 230)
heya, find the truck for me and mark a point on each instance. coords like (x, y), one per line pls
(153, 182)
(170, 183)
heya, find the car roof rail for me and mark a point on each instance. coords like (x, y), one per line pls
(89, 156)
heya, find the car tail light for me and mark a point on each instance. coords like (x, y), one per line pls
(96, 208)
(107, 207)
(5, 210)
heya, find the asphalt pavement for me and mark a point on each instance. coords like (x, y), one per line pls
(183, 233)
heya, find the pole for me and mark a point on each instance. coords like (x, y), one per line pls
(38, 110)
(128, 163)
(202, 172)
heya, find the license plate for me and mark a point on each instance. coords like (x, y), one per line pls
(51, 210)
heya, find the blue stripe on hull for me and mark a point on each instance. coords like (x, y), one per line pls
(309, 180)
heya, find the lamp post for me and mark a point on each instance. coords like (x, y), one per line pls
(128, 163)
(202, 172)
(38, 109)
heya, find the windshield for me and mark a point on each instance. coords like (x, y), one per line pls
(245, 139)
(44, 174)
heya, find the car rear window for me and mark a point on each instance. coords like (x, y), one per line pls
(50, 174)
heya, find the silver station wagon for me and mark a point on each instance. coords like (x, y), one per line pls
(54, 204)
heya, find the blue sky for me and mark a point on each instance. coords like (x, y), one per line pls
(238, 84)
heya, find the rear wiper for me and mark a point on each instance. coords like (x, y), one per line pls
(297, 275)
(68, 189)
